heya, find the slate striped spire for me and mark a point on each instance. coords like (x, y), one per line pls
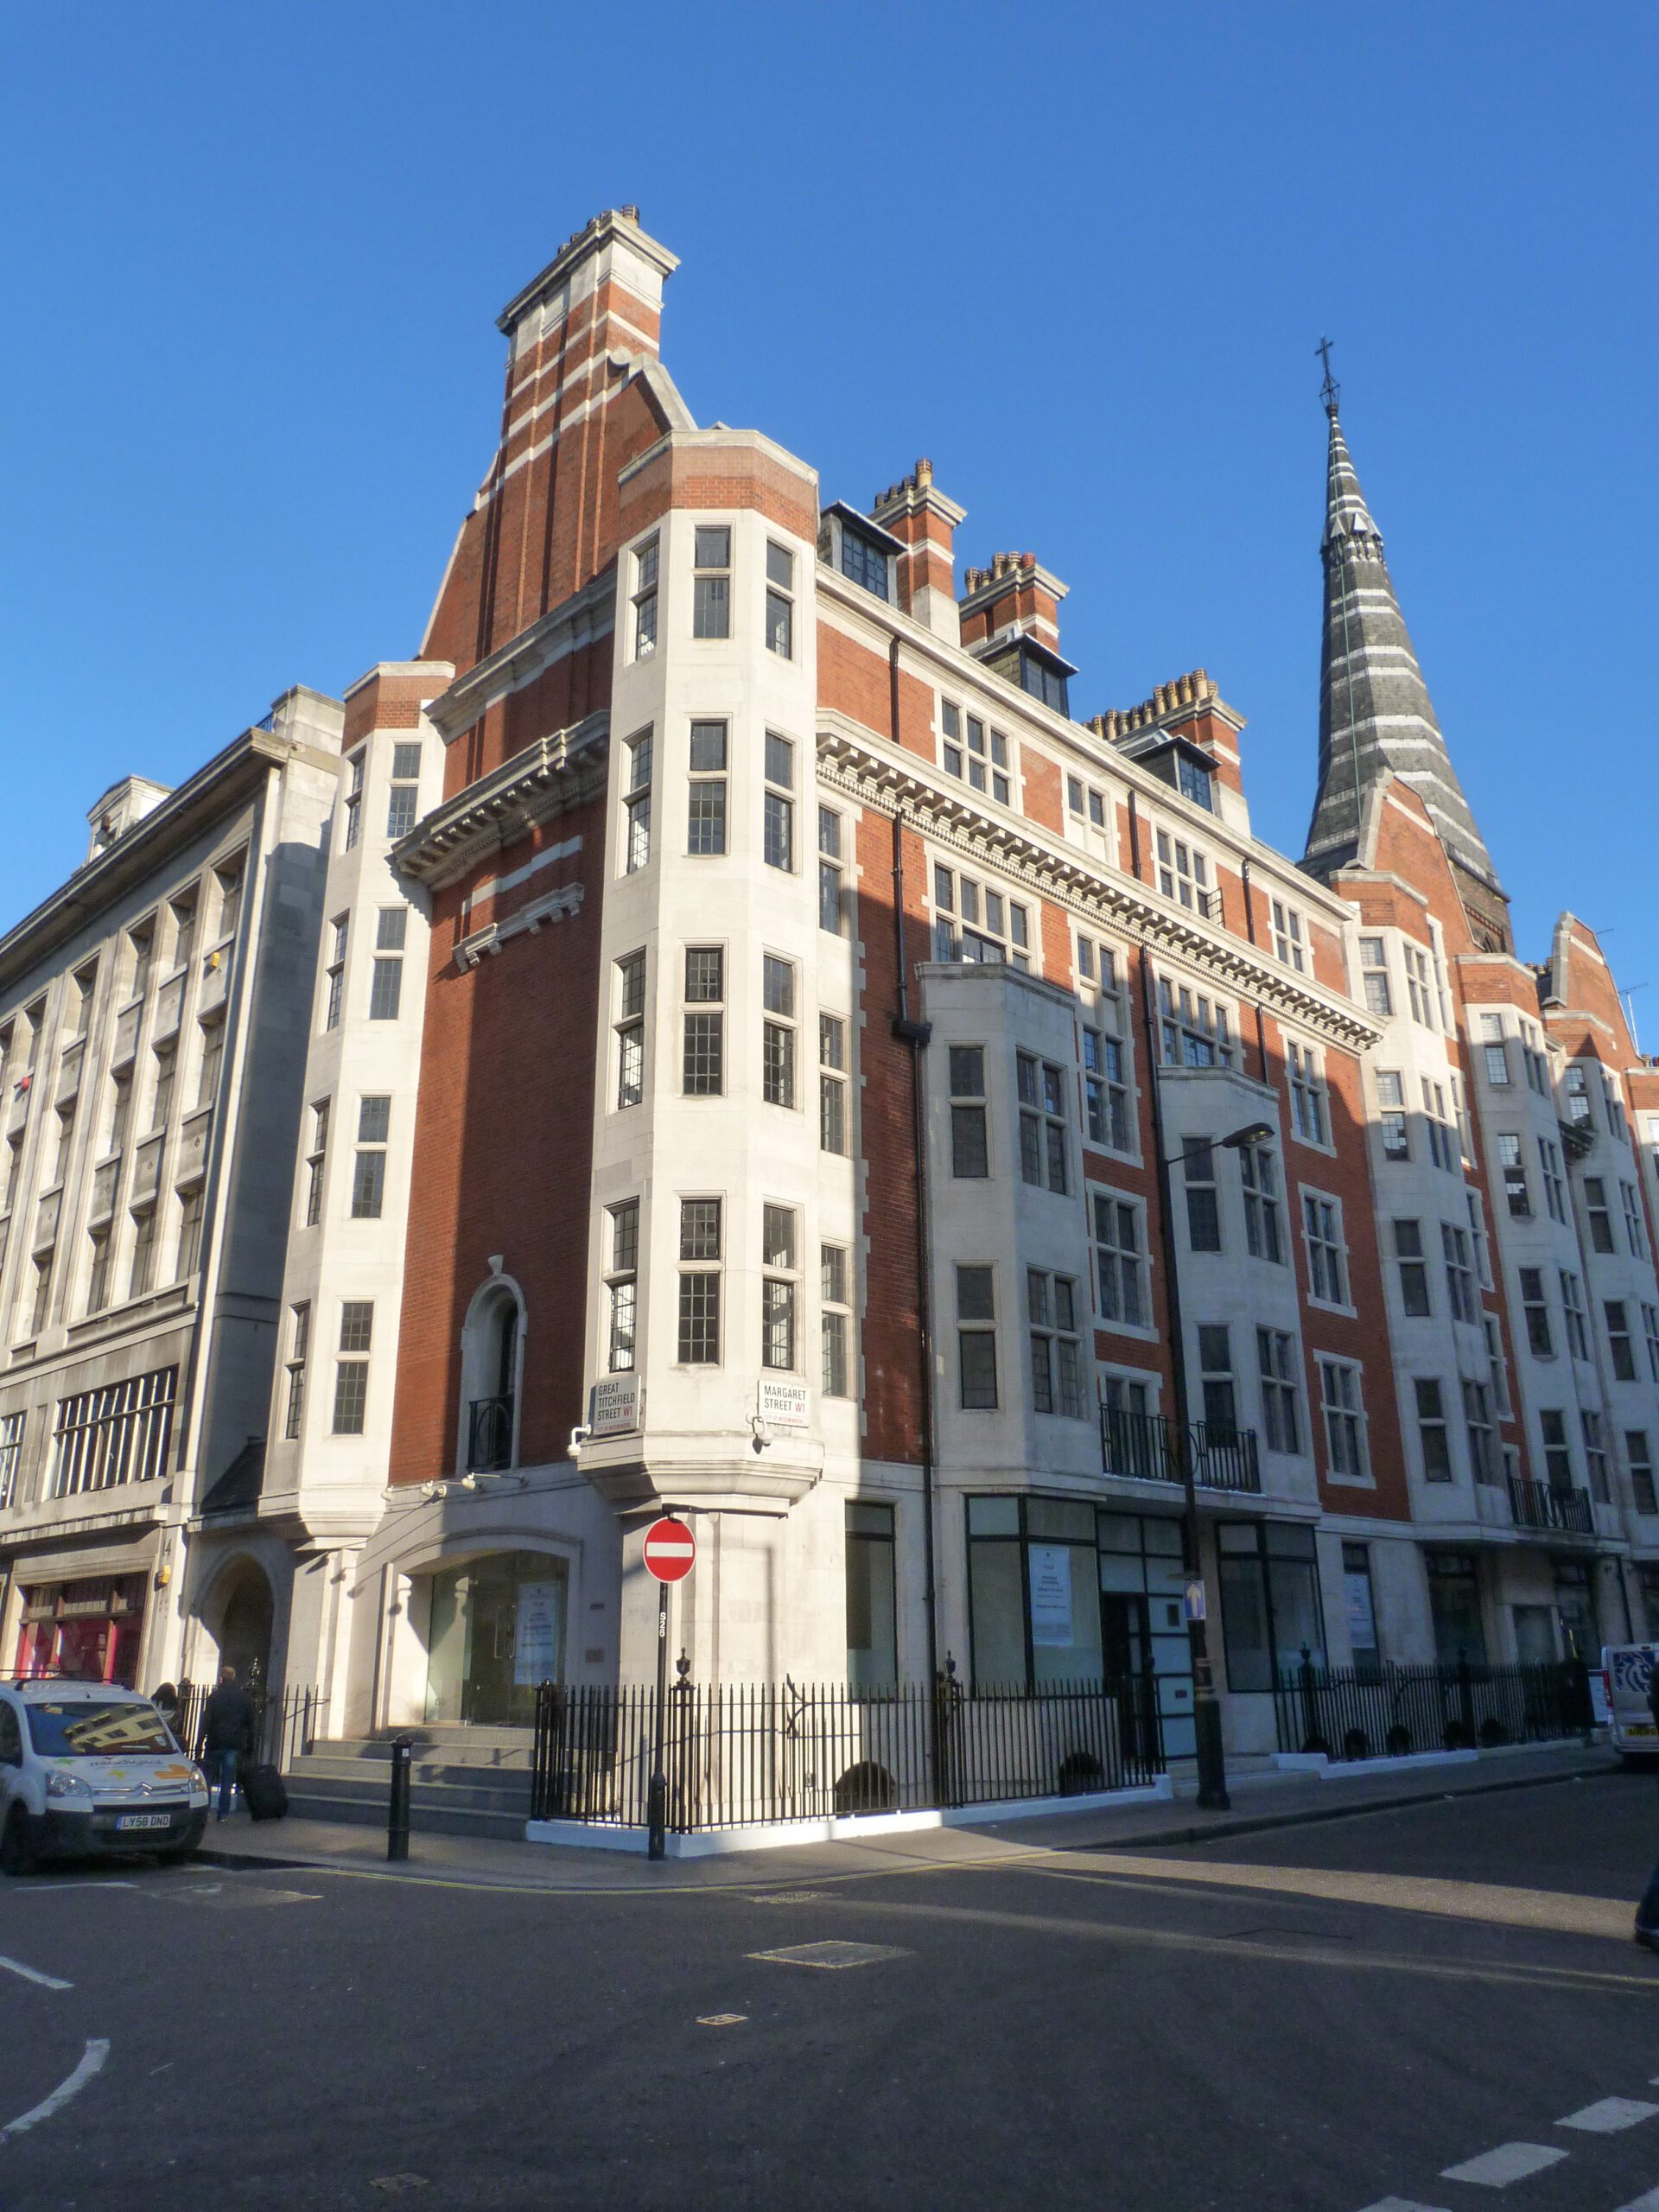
(1375, 710)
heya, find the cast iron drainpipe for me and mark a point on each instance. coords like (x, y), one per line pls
(917, 1035)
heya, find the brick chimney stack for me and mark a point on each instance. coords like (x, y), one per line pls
(581, 337)
(1014, 589)
(925, 523)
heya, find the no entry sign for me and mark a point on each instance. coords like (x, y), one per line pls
(670, 1550)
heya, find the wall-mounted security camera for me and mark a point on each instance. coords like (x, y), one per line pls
(579, 1436)
(760, 1435)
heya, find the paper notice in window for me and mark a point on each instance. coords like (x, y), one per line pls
(1050, 1594)
(540, 1632)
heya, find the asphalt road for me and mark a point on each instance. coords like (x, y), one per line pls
(1317, 2019)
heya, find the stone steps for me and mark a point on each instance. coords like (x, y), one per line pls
(458, 1785)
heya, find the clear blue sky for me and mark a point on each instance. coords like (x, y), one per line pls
(1079, 255)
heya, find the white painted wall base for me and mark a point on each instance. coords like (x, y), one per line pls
(855, 1828)
(1340, 1770)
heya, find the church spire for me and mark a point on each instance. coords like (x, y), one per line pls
(1375, 710)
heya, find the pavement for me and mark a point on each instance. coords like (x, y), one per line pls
(1424, 2008)
(1260, 1802)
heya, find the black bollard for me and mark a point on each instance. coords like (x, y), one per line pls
(402, 1752)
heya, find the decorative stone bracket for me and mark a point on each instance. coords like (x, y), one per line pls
(557, 907)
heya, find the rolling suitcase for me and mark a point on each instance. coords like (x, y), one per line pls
(264, 1793)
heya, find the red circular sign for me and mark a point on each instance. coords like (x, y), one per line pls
(670, 1550)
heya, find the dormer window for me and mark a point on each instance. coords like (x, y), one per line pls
(858, 549)
(1192, 781)
(864, 563)
(1038, 671)
(1177, 761)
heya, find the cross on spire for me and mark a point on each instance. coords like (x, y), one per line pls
(1329, 391)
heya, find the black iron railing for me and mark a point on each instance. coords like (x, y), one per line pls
(1561, 1512)
(489, 1435)
(1147, 1445)
(740, 1754)
(286, 1722)
(1391, 1712)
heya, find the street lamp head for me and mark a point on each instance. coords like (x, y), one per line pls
(1252, 1133)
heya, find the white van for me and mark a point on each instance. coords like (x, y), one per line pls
(1626, 1671)
(88, 1769)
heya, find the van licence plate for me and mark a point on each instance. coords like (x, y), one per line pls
(130, 1820)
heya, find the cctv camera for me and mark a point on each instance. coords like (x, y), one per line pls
(579, 1436)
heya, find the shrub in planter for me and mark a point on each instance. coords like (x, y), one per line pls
(867, 1788)
(1398, 1741)
(1356, 1745)
(1080, 1773)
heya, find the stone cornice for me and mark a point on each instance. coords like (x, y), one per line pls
(547, 778)
(851, 760)
(226, 781)
(870, 621)
(582, 620)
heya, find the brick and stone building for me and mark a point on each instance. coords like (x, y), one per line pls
(784, 1132)
(796, 994)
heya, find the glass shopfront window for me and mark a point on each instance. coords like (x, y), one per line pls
(1034, 1590)
(496, 1631)
(89, 1630)
(1650, 1601)
(1270, 1604)
(872, 1622)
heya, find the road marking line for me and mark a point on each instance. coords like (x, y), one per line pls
(1403, 2204)
(722, 2019)
(833, 1953)
(28, 1973)
(52, 1889)
(1609, 2115)
(91, 2062)
(1508, 2162)
(1650, 2202)
(1565, 1913)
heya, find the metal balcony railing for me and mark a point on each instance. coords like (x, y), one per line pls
(1541, 1505)
(489, 1435)
(1147, 1447)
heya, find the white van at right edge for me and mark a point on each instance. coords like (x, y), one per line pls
(1626, 1671)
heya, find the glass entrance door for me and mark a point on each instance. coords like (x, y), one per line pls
(495, 1632)
(1143, 1629)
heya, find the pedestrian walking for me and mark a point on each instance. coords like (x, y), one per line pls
(227, 1724)
(1647, 1913)
(166, 1702)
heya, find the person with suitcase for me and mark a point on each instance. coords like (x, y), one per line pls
(227, 1728)
(264, 1793)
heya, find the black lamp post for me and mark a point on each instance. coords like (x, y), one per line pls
(1206, 1708)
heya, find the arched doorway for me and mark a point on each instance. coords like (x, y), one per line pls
(244, 1627)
